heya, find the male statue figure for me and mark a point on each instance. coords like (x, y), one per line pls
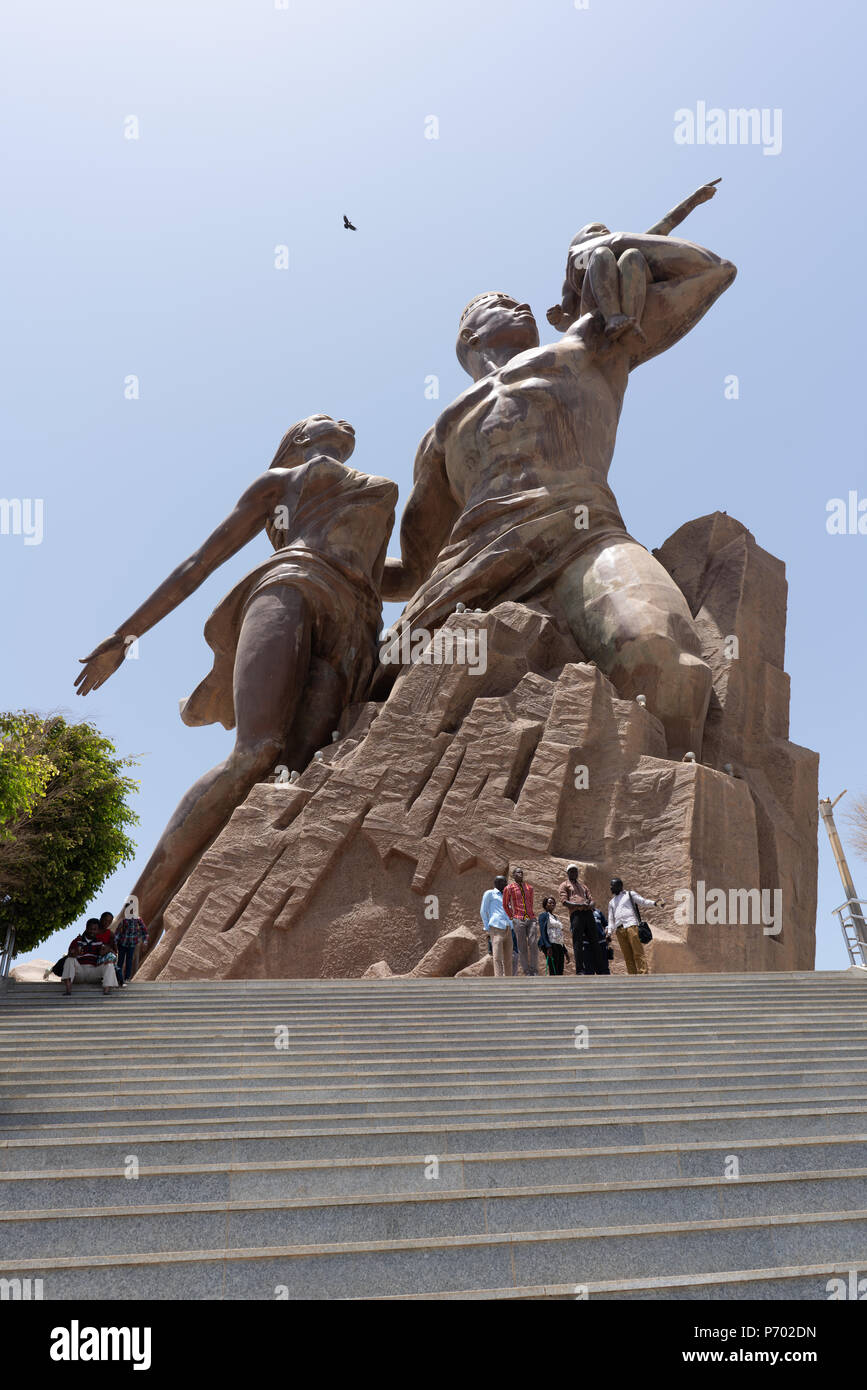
(510, 497)
(303, 623)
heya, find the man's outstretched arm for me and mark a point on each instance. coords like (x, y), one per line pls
(428, 517)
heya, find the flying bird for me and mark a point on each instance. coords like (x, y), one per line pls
(348, 225)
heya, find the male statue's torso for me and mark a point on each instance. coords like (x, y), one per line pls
(548, 412)
(525, 453)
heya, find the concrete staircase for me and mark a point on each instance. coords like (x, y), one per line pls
(437, 1138)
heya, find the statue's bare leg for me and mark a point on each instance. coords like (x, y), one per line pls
(628, 615)
(603, 280)
(271, 664)
(634, 278)
(618, 289)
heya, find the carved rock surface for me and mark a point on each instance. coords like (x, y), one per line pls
(382, 850)
(380, 970)
(31, 972)
(484, 966)
(447, 956)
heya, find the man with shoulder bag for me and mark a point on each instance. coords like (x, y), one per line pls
(627, 926)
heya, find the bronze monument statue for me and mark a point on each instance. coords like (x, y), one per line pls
(510, 497)
(440, 778)
(294, 642)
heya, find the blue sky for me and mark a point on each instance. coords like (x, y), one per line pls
(259, 127)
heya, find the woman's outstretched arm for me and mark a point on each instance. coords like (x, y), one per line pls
(247, 519)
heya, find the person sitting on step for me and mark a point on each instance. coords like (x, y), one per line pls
(91, 956)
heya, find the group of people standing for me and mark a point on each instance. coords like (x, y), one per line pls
(516, 934)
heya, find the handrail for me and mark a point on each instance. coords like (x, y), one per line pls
(852, 915)
(7, 951)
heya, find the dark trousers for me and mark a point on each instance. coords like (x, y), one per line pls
(125, 955)
(588, 943)
(555, 956)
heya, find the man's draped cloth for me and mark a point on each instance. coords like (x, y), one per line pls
(513, 547)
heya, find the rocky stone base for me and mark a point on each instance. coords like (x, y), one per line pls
(384, 846)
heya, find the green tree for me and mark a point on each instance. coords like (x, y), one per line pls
(24, 770)
(63, 822)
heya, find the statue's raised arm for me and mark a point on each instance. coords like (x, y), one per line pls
(673, 219)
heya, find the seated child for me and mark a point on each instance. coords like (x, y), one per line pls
(597, 282)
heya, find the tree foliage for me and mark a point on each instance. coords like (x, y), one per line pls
(63, 822)
(24, 770)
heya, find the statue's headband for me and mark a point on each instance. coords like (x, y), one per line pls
(495, 297)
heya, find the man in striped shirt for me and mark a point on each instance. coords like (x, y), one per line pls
(518, 902)
(91, 957)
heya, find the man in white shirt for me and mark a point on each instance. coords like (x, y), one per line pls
(623, 919)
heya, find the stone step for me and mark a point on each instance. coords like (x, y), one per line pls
(595, 1084)
(94, 1012)
(441, 1264)
(569, 1084)
(170, 1044)
(310, 1168)
(314, 1114)
(65, 1115)
(801, 1283)
(594, 1066)
(72, 1013)
(236, 1140)
(86, 1004)
(591, 1063)
(227, 1180)
(331, 1220)
(442, 1048)
(244, 1028)
(839, 1026)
